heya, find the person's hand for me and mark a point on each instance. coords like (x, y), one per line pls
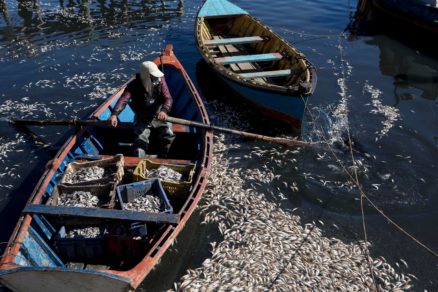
(113, 120)
(162, 116)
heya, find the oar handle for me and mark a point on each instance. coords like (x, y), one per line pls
(71, 122)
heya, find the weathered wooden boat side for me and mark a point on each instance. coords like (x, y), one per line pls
(419, 15)
(257, 63)
(30, 261)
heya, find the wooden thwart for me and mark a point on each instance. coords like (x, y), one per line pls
(266, 74)
(103, 214)
(249, 58)
(234, 41)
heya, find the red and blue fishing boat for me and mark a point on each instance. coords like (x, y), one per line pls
(39, 258)
(254, 61)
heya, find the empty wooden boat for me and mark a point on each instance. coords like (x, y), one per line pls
(253, 60)
(39, 257)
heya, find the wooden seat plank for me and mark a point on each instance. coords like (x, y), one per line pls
(266, 74)
(249, 58)
(234, 41)
(132, 161)
(102, 214)
(228, 50)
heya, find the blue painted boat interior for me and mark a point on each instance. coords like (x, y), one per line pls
(41, 246)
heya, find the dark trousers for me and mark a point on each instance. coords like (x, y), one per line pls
(163, 132)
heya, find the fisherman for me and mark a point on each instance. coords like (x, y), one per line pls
(151, 102)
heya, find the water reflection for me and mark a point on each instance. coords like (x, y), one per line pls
(415, 23)
(414, 75)
(30, 12)
(32, 21)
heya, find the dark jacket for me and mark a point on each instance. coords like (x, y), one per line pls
(145, 106)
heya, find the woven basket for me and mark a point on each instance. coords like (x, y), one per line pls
(173, 189)
(106, 193)
(116, 163)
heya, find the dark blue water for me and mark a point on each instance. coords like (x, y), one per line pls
(60, 59)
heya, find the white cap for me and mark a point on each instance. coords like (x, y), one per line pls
(150, 68)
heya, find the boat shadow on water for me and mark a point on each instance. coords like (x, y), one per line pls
(411, 22)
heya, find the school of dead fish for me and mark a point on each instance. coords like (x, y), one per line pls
(84, 174)
(79, 199)
(86, 232)
(147, 203)
(165, 173)
(268, 248)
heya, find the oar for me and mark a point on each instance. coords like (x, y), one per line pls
(74, 122)
(68, 122)
(71, 122)
(283, 141)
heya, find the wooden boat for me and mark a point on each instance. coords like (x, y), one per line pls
(419, 16)
(414, 23)
(32, 260)
(254, 61)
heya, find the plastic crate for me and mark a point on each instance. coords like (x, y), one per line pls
(106, 194)
(80, 248)
(113, 164)
(127, 193)
(173, 189)
(123, 244)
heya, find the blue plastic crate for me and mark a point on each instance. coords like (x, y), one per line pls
(80, 248)
(127, 193)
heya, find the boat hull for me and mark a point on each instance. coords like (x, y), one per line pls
(254, 61)
(48, 280)
(282, 107)
(416, 15)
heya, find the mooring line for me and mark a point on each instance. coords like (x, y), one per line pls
(359, 186)
(364, 228)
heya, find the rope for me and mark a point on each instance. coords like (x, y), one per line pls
(363, 195)
(364, 228)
